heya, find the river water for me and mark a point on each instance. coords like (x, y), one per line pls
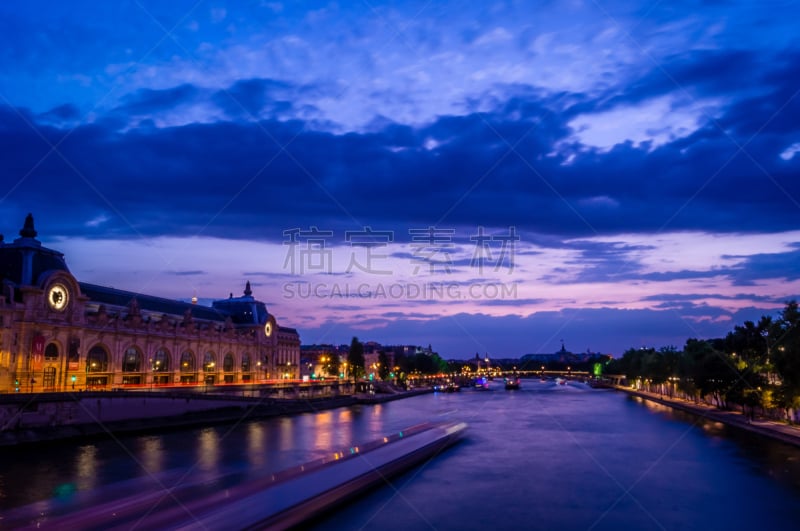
(543, 457)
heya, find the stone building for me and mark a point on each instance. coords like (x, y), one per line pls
(57, 333)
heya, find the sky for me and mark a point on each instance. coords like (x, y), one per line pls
(484, 177)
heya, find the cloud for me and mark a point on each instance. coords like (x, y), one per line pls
(247, 98)
(498, 168)
(145, 102)
(790, 151)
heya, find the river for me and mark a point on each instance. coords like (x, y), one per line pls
(543, 457)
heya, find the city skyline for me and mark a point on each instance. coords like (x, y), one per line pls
(484, 178)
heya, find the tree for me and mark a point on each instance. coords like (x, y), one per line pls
(383, 365)
(712, 373)
(355, 359)
(330, 365)
(786, 358)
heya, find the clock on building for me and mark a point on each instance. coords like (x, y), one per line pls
(58, 297)
(268, 329)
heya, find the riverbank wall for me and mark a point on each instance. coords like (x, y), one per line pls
(57, 416)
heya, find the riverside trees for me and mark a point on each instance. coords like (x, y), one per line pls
(757, 365)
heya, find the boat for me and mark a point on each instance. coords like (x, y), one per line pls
(512, 383)
(449, 387)
(282, 500)
(482, 383)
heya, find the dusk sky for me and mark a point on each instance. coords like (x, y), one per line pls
(486, 177)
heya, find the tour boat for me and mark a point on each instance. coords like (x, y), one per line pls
(281, 500)
(512, 383)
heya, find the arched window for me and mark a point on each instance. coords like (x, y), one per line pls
(161, 361)
(227, 368)
(227, 363)
(209, 362)
(51, 352)
(97, 359)
(245, 363)
(187, 362)
(132, 360)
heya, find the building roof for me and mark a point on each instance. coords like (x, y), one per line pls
(243, 310)
(23, 262)
(118, 297)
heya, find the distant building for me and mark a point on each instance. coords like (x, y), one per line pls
(57, 333)
(562, 356)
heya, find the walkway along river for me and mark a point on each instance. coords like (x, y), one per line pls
(543, 457)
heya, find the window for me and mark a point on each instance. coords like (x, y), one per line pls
(245, 363)
(209, 362)
(187, 362)
(97, 359)
(161, 361)
(132, 360)
(51, 352)
(227, 363)
(49, 380)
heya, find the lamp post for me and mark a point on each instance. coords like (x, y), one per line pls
(765, 334)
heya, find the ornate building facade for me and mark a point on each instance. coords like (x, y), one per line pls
(58, 334)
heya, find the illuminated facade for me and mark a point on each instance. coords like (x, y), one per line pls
(57, 333)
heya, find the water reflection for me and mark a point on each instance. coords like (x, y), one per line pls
(322, 431)
(256, 444)
(152, 454)
(208, 450)
(556, 445)
(286, 430)
(376, 416)
(86, 467)
(344, 427)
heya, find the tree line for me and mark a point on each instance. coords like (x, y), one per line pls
(388, 368)
(754, 367)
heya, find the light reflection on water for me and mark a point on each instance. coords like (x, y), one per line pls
(86, 466)
(257, 446)
(286, 426)
(208, 451)
(545, 456)
(152, 451)
(322, 431)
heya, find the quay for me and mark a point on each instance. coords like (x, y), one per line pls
(768, 428)
(44, 417)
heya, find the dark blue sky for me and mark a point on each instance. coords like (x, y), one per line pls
(607, 173)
